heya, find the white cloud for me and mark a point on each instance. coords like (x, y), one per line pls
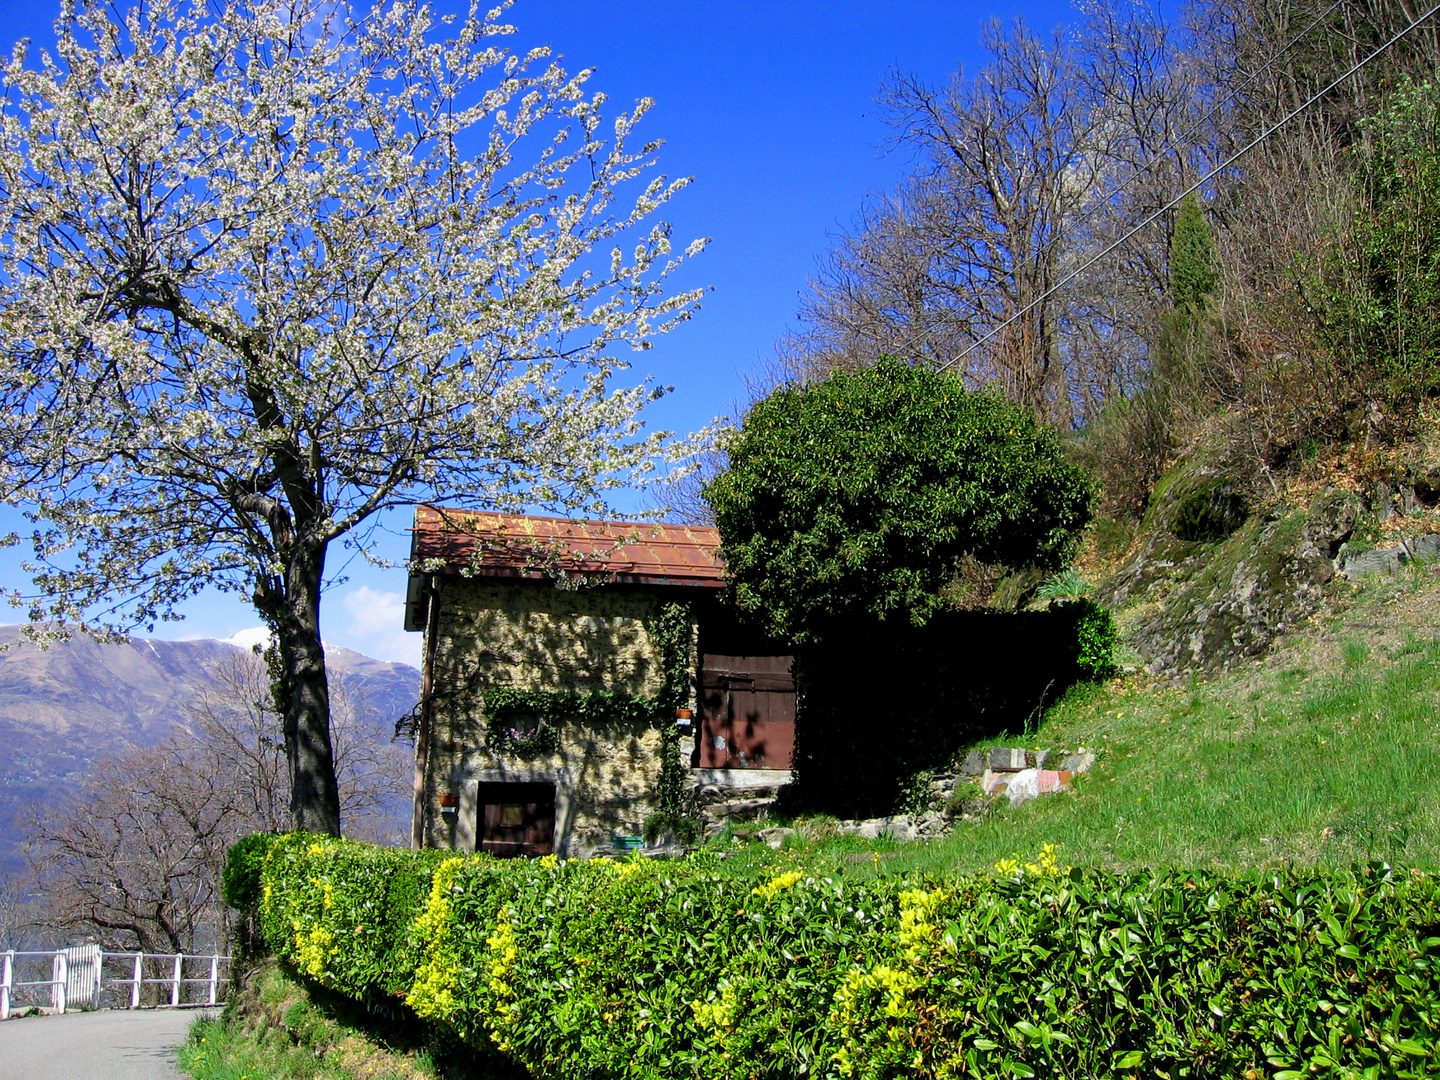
(371, 622)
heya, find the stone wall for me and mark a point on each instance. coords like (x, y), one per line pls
(533, 636)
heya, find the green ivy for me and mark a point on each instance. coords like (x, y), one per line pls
(670, 630)
(547, 710)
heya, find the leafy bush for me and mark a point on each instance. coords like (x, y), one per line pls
(313, 884)
(663, 969)
(240, 878)
(1379, 305)
(1095, 636)
(855, 497)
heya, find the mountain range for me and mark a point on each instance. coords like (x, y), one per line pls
(67, 705)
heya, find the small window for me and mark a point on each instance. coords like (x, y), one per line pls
(515, 819)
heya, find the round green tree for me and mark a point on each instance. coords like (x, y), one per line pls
(856, 496)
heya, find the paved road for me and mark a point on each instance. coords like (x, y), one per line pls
(111, 1044)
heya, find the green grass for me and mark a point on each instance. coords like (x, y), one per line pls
(217, 1051)
(1326, 754)
(276, 1029)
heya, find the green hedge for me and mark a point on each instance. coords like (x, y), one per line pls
(240, 877)
(671, 969)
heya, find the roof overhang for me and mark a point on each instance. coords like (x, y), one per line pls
(474, 543)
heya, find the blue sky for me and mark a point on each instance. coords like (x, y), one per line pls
(770, 107)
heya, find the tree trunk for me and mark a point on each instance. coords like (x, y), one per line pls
(314, 794)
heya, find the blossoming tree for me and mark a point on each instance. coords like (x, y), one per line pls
(267, 270)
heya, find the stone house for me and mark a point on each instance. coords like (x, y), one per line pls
(543, 642)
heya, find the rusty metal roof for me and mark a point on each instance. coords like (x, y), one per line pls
(481, 543)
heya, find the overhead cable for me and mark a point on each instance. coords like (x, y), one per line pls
(1191, 189)
(1179, 140)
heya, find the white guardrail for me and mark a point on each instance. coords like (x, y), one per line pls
(77, 979)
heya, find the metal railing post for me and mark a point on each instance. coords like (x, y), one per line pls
(63, 967)
(60, 975)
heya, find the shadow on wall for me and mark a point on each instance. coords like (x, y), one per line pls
(881, 701)
(551, 639)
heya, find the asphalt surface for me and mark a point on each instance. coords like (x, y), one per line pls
(111, 1044)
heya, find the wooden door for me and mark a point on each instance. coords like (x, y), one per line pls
(747, 712)
(515, 818)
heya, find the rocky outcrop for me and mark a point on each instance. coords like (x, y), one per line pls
(1368, 562)
(1241, 594)
(1216, 580)
(1196, 506)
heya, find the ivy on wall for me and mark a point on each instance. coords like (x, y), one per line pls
(527, 723)
(670, 630)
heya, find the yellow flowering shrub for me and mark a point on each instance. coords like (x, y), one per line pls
(655, 969)
(778, 884)
(432, 992)
(917, 932)
(1045, 865)
(313, 949)
(503, 955)
(717, 1016)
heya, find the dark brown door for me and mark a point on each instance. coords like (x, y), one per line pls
(516, 819)
(747, 712)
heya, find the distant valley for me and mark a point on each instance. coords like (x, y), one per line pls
(68, 705)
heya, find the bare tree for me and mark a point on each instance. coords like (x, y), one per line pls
(1032, 243)
(133, 855)
(1285, 211)
(236, 726)
(13, 916)
(964, 260)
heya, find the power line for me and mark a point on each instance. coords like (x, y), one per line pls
(1179, 140)
(1191, 189)
(1234, 93)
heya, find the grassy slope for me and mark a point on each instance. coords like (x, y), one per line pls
(1325, 751)
(276, 1029)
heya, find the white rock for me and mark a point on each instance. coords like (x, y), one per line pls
(932, 823)
(775, 837)
(1024, 786)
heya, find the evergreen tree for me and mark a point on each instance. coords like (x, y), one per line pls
(1193, 275)
(855, 497)
(1193, 280)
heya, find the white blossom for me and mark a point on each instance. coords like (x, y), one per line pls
(295, 261)
(271, 267)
